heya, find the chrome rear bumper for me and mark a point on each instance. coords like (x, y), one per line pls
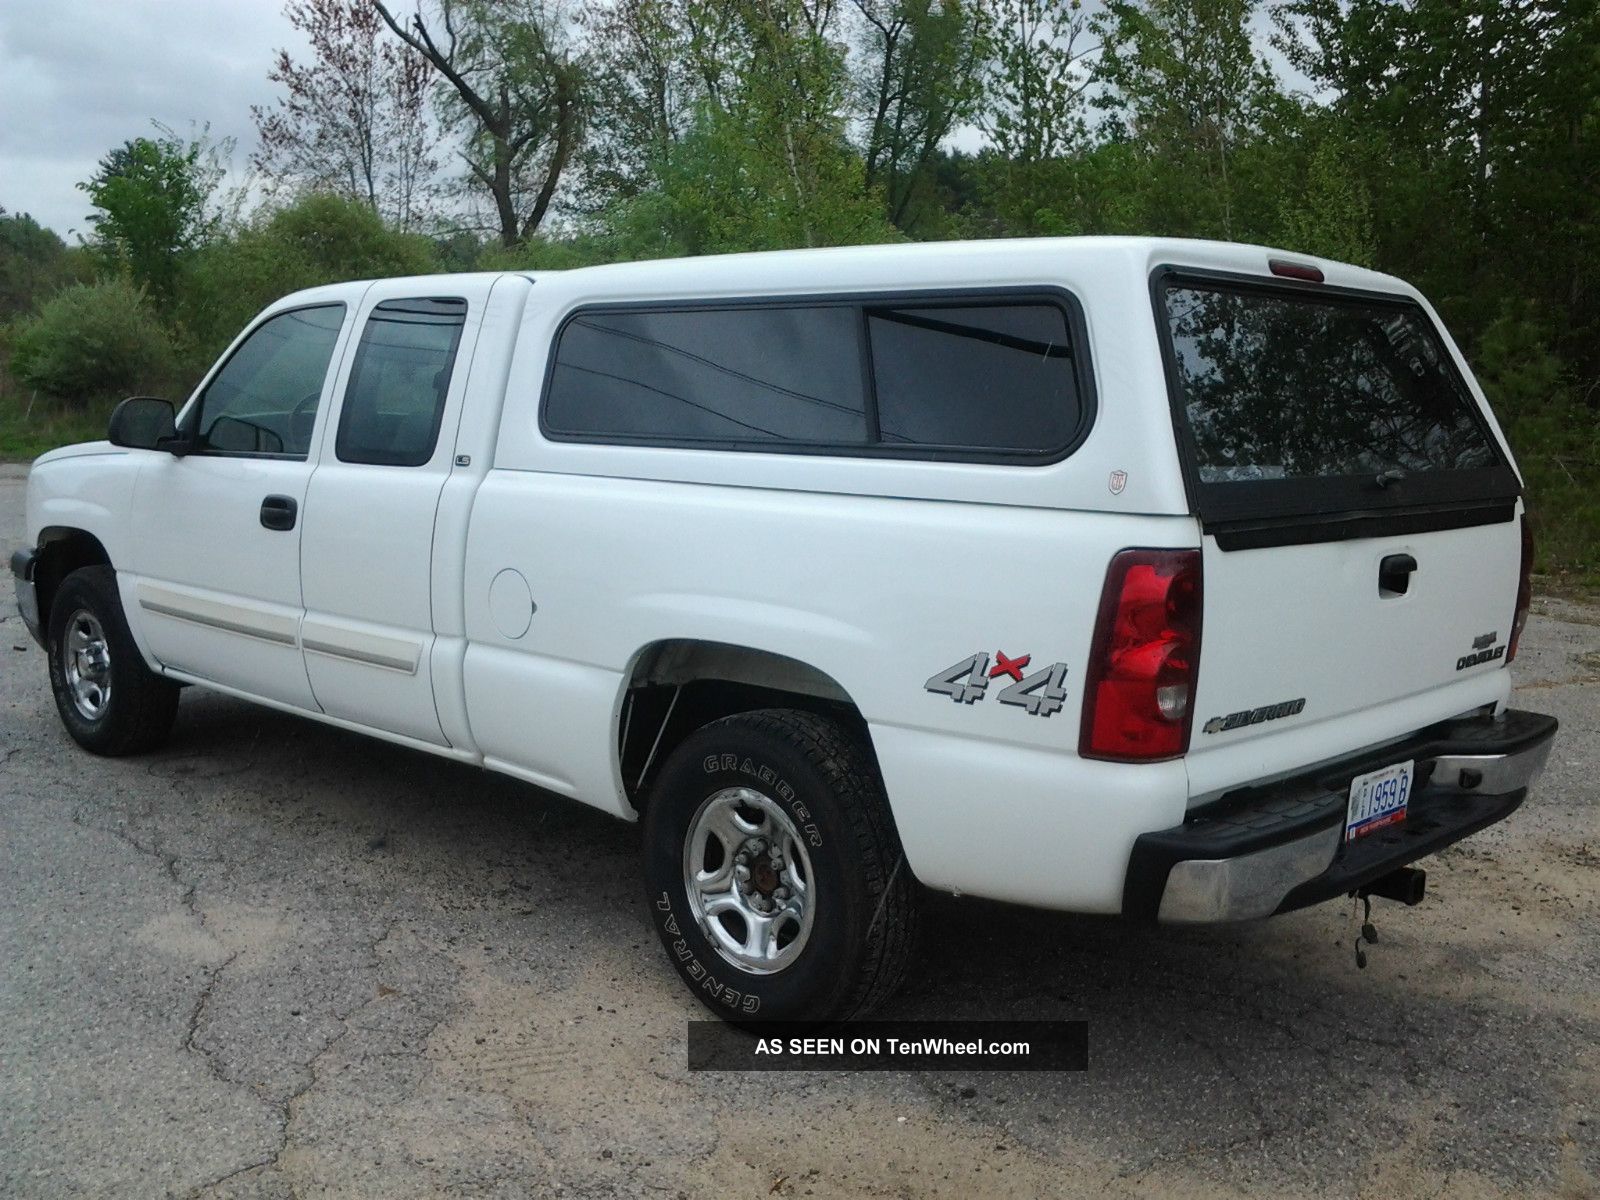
(1260, 851)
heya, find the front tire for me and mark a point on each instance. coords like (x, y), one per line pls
(776, 879)
(110, 702)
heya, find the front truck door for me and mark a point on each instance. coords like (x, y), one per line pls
(214, 577)
(367, 548)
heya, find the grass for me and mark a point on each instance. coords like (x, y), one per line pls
(30, 425)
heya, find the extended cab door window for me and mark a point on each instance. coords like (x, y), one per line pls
(264, 399)
(399, 383)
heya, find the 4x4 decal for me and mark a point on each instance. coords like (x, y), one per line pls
(966, 682)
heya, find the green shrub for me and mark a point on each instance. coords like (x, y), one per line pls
(547, 254)
(90, 342)
(34, 264)
(316, 240)
(1556, 438)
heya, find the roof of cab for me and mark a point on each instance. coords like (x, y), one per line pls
(1148, 252)
(971, 261)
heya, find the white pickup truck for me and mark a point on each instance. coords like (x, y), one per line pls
(1171, 579)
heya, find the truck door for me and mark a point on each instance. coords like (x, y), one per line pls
(215, 564)
(367, 547)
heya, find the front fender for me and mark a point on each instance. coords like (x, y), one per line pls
(88, 488)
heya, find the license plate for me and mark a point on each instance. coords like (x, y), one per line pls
(1377, 799)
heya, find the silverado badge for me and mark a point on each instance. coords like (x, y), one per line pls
(1254, 716)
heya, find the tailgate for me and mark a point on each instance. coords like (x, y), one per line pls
(1362, 547)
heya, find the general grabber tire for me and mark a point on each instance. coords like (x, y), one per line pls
(110, 702)
(775, 876)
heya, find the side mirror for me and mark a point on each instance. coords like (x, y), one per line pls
(145, 423)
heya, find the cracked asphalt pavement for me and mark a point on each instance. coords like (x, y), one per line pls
(276, 959)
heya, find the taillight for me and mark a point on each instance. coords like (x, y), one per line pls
(1293, 270)
(1139, 696)
(1524, 590)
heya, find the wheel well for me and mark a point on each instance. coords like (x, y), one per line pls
(680, 685)
(61, 552)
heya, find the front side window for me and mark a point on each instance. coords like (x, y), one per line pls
(398, 384)
(264, 399)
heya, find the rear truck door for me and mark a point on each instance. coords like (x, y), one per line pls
(368, 546)
(1362, 532)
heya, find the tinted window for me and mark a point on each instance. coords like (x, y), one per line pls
(395, 399)
(264, 399)
(991, 377)
(1283, 387)
(742, 375)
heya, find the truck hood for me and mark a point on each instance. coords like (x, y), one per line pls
(79, 450)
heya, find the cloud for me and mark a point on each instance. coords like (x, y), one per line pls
(77, 79)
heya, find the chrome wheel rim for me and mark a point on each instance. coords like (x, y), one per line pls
(749, 880)
(86, 663)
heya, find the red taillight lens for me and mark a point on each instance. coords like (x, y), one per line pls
(1294, 270)
(1524, 590)
(1139, 698)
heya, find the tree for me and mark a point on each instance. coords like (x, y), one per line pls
(1038, 71)
(150, 197)
(354, 119)
(1187, 86)
(646, 85)
(1038, 79)
(920, 74)
(1332, 215)
(1483, 118)
(514, 93)
(765, 161)
(33, 264)
(320, 238)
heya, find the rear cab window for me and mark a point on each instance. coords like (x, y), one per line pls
(982, 377)
(1309, 403)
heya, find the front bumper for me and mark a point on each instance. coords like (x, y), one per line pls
(1264, 850)
(23, 564)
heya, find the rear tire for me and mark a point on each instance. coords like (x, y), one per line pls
(776, 878)
(110, 702)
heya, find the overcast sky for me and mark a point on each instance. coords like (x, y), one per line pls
(78, 77)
